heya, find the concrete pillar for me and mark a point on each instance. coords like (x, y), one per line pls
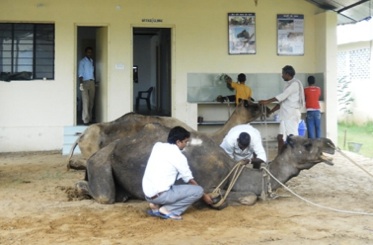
(326, 62)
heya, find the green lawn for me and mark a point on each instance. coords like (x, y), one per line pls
(359, 134)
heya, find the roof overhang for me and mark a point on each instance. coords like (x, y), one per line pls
(349, 11)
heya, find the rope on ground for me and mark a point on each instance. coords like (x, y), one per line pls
(355, 163)
(312, 203)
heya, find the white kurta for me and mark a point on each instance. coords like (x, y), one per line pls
(291, 102)
(230, 144)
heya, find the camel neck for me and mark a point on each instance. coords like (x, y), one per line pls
(282, 170)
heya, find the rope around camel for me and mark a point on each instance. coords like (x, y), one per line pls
(312, 203)
(315, 204)
(236, 171)
(238, 168)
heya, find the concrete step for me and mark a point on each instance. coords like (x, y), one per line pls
(70, 135)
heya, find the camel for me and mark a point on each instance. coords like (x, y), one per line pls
(114, 173)
(99, 135)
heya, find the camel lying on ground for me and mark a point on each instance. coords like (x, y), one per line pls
(99, 135)
(115, 172)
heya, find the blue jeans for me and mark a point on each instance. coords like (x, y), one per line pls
(313, 120)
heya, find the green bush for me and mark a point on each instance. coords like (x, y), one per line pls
(363, 134)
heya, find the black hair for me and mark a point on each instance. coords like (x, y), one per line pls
(311, 80)
(288, 70)
(88, 48)
(177, 133)
(241, 77)
(244, 139)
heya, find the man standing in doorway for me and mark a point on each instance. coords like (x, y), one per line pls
(87, 85)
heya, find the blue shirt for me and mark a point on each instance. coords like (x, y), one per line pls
(86, 69)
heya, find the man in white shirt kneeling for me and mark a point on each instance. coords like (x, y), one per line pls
(245, 142)
(166, 164)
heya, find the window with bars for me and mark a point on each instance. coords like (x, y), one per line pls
(27, 48)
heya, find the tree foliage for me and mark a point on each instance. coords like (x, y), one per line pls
(344, 95)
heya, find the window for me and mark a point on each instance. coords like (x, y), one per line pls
(27, 48)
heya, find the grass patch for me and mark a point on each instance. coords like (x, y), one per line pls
(362, 134)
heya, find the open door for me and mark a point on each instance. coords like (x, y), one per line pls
(101, 74)
(95, 37)
(152, 68)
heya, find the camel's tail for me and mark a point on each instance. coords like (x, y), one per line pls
(72, 150)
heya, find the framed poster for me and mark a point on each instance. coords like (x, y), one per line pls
(290, 34)
(241, 33)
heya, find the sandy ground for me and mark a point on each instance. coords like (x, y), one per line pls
(34, 209)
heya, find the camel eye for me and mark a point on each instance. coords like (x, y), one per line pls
(308, 146)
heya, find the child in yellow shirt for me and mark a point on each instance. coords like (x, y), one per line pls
(243, 92)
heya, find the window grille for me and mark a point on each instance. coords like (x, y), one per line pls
(360, 63)
(27, 48)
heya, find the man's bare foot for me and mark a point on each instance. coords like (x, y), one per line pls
(154, 207)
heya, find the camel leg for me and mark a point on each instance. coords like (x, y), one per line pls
(242, 198)
(120, 194)
(77, 164)
(101, 184)
(234, 198)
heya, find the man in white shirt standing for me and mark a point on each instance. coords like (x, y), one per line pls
(244, 142)
(87, 85)
(166, 164)
(291, 101)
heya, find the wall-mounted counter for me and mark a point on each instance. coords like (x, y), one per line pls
(203, 88)
(213, 115)
(207, 86)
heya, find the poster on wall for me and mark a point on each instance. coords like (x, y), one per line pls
(241, 33)
(290, 34)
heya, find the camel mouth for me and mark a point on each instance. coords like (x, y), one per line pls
(326, 159)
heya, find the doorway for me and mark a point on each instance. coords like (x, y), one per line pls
(152, 68)
(95, 37)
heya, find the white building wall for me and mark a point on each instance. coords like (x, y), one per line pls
(34, 113)
(355, 65)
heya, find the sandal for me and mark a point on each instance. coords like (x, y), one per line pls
(154, 213)
(171, 216)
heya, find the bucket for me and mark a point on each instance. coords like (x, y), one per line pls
(354, 147)
(302, 128)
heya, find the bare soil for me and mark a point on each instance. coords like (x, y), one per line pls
(35, 209)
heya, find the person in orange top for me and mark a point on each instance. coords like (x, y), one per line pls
(312, 94)
(243, 92)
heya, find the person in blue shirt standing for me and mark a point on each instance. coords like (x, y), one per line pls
(87, 85)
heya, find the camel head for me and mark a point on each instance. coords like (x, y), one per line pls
(248, 110)
(304, 153)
